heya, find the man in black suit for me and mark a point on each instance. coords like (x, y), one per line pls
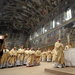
(2, 37)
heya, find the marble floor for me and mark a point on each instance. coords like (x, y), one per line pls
(36, 70)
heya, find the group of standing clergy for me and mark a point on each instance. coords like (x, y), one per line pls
(56, 55)
(31, 57)
(22, 56)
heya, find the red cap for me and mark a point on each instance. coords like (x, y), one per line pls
(59, 40)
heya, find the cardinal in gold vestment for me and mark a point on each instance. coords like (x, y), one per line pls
(30, 59)
(37, 57)
(44, 56)
(20, 56)
(68, 46)
(49, 55)
(12, 57)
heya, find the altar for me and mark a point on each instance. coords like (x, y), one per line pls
(69, 56)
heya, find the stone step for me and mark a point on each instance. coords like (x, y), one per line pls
(61, 71)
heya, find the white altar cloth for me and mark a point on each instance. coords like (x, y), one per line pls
(69, 56)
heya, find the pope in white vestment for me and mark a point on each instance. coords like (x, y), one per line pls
(58, 55)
